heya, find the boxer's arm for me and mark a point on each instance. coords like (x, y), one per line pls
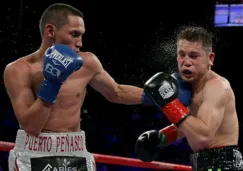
(180, 134)
(202, 129)
(31, 114)
(112, 91)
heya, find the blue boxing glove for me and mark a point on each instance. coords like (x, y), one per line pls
(185, 90)
(185, 93)
(60, 61)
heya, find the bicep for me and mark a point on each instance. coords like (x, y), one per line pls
(19, 90)
(212, 115)
(104, 83)
(211, 111)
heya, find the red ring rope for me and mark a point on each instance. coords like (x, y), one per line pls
(100, 158)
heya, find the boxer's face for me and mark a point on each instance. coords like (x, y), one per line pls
(193, 60)
(71, 33)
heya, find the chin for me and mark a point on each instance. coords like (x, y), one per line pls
(187, 78)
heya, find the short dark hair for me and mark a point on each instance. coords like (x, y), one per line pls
(57, 14)
(197, 33)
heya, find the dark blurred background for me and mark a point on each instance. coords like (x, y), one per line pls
(133, 40)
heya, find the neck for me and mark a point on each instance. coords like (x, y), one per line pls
(199, 84)
(45, 44)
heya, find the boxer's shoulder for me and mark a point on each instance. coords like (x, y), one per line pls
(218, 82)
(90, 60)
(19, 67)
(88, 56)
(17, 74)
(219, 87)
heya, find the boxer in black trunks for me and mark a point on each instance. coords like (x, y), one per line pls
(210, 122)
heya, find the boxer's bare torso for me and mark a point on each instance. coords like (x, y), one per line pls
(65, 113)
(227, 132)
(23, 77)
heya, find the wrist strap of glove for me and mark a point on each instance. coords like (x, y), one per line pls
(48, 91)
(176, 112)
(182, 119)
(169, 135)
(146, 101)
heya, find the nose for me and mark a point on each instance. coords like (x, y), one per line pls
(79, 43)
(187, 61)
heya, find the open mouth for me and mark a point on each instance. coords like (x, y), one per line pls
(187, 72)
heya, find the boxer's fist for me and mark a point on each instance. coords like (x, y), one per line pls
(60, 61)
(184, 96)
(162, 88)
(148, 144)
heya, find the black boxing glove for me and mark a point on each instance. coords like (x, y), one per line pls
(148, 144)
(184, 95)
(162, 89)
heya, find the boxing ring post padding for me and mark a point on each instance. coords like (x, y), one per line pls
(108, 159)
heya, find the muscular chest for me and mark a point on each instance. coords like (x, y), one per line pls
(196, 103)
(73, 88)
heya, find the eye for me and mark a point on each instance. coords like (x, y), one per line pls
(181, 55)
(75, 34)
(193, 56)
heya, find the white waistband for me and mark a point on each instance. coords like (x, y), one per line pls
(51, 143)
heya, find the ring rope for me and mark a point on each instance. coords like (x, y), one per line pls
(108, 159)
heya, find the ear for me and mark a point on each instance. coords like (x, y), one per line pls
(211, 57)
(50, 30)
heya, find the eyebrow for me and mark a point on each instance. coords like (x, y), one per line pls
(77, 31)
(191, 52)
(180, 51)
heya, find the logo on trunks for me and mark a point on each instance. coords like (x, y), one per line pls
(166, 90)
(57, 56)
(47, 168)
(238, 159)
(68, 143)
(64, 167)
